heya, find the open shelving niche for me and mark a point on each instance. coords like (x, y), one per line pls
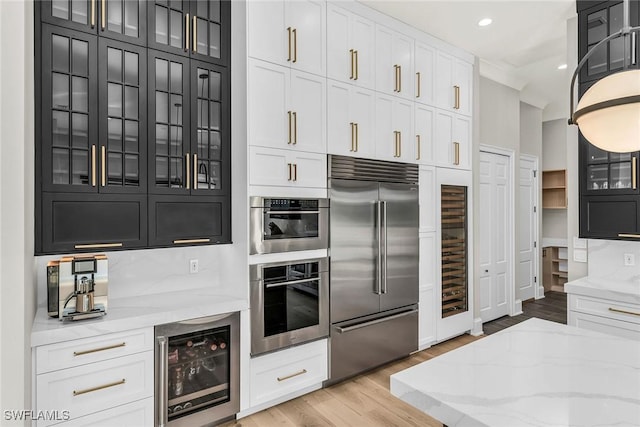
(554, 189)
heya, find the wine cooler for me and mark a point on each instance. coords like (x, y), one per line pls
(197, 371)
(454, 250)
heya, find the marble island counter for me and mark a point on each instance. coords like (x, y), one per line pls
(136, 312)
(536, 373)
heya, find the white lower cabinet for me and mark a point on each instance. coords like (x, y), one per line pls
(613, 317)
(275, 167)
(288, 371)
(136, 414)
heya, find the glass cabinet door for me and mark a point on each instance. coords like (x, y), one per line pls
(76, 14)
(169, 26)
(607, 172)
(207, 17)
(454, 250)
(69, 110)
(122, 118)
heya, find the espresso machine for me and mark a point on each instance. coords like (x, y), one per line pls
(84, 280)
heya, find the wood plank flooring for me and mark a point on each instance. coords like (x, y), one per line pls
(366, 401)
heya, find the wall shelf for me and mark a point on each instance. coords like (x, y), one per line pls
(554, 189)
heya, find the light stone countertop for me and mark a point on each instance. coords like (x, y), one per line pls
(536, 373)
(136, 312)
(617, 290)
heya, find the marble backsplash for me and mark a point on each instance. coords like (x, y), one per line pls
(606, 259)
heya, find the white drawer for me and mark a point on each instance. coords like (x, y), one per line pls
(135, 414)
(91, 388)
(287, 371)
(95, 349)
(623, 311)
(605, 325)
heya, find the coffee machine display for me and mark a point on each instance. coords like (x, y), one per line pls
(82, 279)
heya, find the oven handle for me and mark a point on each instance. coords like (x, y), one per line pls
(267, 211)
(293, 282)
(163, 356)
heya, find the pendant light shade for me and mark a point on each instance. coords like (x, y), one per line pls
(608, 114)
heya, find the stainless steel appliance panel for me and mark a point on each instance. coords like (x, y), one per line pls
(399, 245)
(354, 249)
(358, 346)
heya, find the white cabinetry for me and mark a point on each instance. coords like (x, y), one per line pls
(290, 33)
(424, 133)
(275, 167)
(427, 189)
(427, 302)
(612, 316)
(394, 63)
(453, 140)
(90, 377)
(395, 139)
(351, 120)
(287, 108)
(454, 80)
(350, 47)
(425, 58)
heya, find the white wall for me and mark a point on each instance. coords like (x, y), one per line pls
(554, 156)
(530, 130)
(17, 298)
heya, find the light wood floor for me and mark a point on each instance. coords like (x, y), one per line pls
(363, 401)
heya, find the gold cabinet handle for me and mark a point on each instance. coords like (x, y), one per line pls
(100, 387)
(195, 174)
(634, 170)
(295, 172)
(195, 33)
(289, 52)
(418, 79)
(356, 137)
(456, 148)
(290, 171)
(188, 241)
(188, 170)
(395, 143)
(617, 310)
(98, 245)
(633, 236)
(295, 128)
(93, 165)
(104, 14)
(399, 78)
(356, 55)
(186, 32)
(352, 64)
(353, 136)
(456, 93)
(103, 165)
(295, 45)
(286, 377)
(418, 147)
(95, 350)
(289, 127)
(399, 144)
(93, 13)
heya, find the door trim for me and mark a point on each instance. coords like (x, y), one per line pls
(539, 289)
(511, 290)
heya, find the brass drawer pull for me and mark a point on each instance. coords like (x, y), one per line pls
(356, 54)
(456, 147)
(186, 32)
(418, 147)
(617, 310)
(418, 84)
(352, 64)
(290, 121)
(353, 136)
(295, 172)
(289, 53)
(295, 45)
(295, 128)
(187, 241)
(100, 387)
(95, 350)
(289, 165)
(356, 137)
(634, 236)
(98, 245)
(304, 371)
(456, 91)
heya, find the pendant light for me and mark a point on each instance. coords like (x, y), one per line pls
(608, 114)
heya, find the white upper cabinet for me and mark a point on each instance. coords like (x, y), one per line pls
(351, 120)
(454, 81)
(394, 63)
(286, 168)
(286, 108)
(453, 140)
(424, 130)
(290, 33)
(425, 59)
(350, 47)
(395, 139)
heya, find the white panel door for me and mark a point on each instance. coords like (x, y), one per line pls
(444, 90)
(527, 229)
(427, 296)
(309, 170)
(385, 71)
(444, 138)
(309, 112)
(494, 236)
(307, 18)
(363, 39)
(403, 58)
(385, 132)
(362, 107)
(340, 132)
(427, 190)
(462, 142)
(268, 166)
(268, 102)
(267, 31)
(339, 46)
(424, 129)
(403, 123)
(425, 58)
(463, 78)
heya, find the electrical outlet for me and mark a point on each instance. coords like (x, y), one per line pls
(629, 259)
(193, 266)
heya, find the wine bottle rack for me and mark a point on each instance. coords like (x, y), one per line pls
(454, 250)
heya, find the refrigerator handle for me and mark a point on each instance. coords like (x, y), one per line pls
(383, 273)
(378, 286)
(162, 382)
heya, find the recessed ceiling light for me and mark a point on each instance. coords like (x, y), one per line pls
(562, 67)
(484, 22)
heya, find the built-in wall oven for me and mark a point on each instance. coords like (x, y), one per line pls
(289, 303)
(285, 224)
(197, 371)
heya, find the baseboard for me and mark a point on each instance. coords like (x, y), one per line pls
(540, 293)
(517, 307)
(477, 327)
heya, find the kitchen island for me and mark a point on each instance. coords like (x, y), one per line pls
(536, 373)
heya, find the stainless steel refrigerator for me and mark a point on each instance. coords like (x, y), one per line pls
(374, 263)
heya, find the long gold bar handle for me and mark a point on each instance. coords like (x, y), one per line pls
(295, 45)
(188, 241)
(93, 13)
(395, 143)
(304, 371)
(633, 236)
(456, 147)
(195, 33)
(93, 165)
(418, 147)
(95, 350)
(289, 166)
(634, 172)
(100, 387)
(295, 128)
(353, 136)
(289, 51)
(195, 173)
(356, 54)
(104, 14)
(186, 32)
(418, 84)
(103, 165)
(289, 127)
(617, 310)
(399, 78)
(98, 245)
(356, 137)
(456, 93)
(352, 64)
(188, 168)
(295, 172)
(399, 144)
(395, 78)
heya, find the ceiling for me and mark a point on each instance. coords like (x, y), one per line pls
(521, 48)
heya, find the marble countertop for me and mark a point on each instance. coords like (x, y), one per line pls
(618, 290)
(136, 312)
(536, 373)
